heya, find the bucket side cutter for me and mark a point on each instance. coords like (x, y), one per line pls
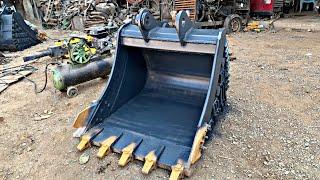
(165, 90)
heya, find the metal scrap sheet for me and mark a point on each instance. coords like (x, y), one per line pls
(6, 80)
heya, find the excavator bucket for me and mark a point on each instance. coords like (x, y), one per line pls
(166, 88)
(15, 34)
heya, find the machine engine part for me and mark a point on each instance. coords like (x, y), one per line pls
(79, 49)
(108, 8)
(164, 93)
(57, 51)
(206, 13)
(102, 37)
(230, 14)
(15, 34)
(67, 75)
(83, 49)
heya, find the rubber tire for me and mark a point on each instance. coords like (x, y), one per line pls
(228, 26)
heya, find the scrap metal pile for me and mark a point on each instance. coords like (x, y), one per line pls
(77, 14)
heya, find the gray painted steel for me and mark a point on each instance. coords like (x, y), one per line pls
(160, 94)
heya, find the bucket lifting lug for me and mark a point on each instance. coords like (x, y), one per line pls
(146, 23)
(183, 25)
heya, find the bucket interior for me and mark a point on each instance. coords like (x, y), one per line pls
(159, 101)
(170, 92)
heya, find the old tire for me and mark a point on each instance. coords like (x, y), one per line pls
(233, 23)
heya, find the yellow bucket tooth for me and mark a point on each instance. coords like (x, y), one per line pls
(84, 143)
(85, 139)
(127, 154)
(176, 172)
(105, 146)
(150, 162)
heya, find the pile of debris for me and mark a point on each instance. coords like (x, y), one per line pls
(260, 26)
(12, 74)
(78, 14)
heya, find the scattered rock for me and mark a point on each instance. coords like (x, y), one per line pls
(283, 69)
(40, 118)
(84, 158)
(102, 169)
(29, 149)
(232, 58)
(260, 66)
(309, 55)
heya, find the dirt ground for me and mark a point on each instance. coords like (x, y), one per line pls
(304, 21)
(271, 130)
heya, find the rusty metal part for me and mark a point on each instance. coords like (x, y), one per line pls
(48, 11)
(187, 5)
(134, 1)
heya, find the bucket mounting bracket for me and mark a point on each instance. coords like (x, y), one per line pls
(146, 22)
(183, 25)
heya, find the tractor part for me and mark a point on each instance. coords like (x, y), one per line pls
(233, 23)
(15, 34)
(167, 87)
(207, 13)
(67, 75)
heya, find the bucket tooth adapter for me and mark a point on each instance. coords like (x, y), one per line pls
(166, 88)
(15, 34)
